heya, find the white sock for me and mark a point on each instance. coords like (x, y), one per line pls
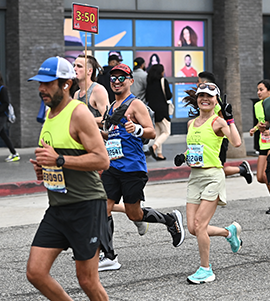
(229, 235)
(206, 269)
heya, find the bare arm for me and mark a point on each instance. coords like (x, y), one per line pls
(84, 130)
(138, 114)
(230, 131)
(101, 101)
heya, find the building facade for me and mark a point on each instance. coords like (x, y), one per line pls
(229, 42)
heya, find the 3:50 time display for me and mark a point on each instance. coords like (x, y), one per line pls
(85, 17)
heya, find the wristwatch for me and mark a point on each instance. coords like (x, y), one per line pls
(60, 161)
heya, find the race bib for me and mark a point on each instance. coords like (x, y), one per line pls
(194, 156)
(265, 139)
(53, 178)
(114, 149)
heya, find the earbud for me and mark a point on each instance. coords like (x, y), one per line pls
(66, 85)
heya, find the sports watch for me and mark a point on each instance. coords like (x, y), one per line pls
(60, 161)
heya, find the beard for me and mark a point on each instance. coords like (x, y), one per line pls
(117, 93)
(55, 100)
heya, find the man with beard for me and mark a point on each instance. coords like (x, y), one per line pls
(70, 152)
(127, 175)
(187, 70)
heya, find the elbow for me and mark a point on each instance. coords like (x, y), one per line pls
(106, 163)
(237, 144)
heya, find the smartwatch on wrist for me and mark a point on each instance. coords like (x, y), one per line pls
(60, 161)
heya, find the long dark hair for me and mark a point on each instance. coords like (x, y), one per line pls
(193, 36)
(155, 73)
(150, 61)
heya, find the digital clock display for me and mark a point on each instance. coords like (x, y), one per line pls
(85, 17)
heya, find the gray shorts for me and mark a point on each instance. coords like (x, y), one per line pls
(81, 226)
(206, 184)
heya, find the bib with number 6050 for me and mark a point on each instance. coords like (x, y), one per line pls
(53, 178)
(114, 149)
(194, 156)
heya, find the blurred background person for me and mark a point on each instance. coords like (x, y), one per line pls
(4, 102)
(263, 91)
(114, 58)
(158, 103)
(188, 37)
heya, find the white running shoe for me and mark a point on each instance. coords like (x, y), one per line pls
(142, 227)
(13, 158)
(106, 264)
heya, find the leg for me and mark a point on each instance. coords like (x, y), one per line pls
(165, 129)
(261, 166)
(198, 217)
(38, 273)
(231, 170)
(119, 208)
(87, 274)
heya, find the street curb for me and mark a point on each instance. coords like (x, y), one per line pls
(154, 175)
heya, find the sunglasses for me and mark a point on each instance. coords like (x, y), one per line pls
(211, 87)
(121, 78)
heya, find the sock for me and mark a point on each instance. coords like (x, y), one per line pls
(152, 216)
(110, 253)
(229, 235)
(242, 169)
(206, 269)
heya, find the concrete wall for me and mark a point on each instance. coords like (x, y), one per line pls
(34, 32)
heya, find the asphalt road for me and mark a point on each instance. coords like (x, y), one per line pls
(152, 269)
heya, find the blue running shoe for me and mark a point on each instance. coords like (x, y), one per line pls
(234, 240)
(202, 276)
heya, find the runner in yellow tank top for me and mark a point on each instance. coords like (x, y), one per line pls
(263, 91)
(206, 186)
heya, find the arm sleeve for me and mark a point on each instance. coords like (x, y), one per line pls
(4, 100)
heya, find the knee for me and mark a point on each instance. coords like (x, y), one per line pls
(86, 283)
(34, 274)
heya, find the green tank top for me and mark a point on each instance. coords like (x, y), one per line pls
(264, 141)
(203, 145)
(80, 185)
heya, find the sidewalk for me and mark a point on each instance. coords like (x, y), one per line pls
(18, 178)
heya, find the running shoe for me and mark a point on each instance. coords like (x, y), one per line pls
(202, 276)
(106, 264)
(247, 174)
(13, 158)
(142, 227)
(234, 240)
(177, 229)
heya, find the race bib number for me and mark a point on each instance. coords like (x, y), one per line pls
(114, 149)
(53, 178)
(265, 139)
(195, 156)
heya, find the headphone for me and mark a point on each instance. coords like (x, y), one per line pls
(66, 85)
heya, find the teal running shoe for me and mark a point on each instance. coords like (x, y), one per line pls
(202, 276)
(234, 240)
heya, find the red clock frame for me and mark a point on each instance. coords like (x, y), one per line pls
(85, 17)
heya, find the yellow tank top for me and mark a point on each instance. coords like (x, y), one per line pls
(80, 185)
(264, 141)
(203, 145)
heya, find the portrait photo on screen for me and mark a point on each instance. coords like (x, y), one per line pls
(188, 33)
(188, 63)
(157, 57)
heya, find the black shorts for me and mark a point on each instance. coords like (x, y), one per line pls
(81, 226)
(223, 150)
(130, 185)
(263, 152)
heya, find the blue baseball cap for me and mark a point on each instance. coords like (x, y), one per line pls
(54, 68)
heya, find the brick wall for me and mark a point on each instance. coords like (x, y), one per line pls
(34, 32)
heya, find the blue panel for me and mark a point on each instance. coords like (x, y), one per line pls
(113, 29)
(180, 110)
(154, 33)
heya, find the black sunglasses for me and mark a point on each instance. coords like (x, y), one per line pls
(121, 78)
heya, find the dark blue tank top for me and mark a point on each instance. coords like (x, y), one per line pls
(134, 158)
